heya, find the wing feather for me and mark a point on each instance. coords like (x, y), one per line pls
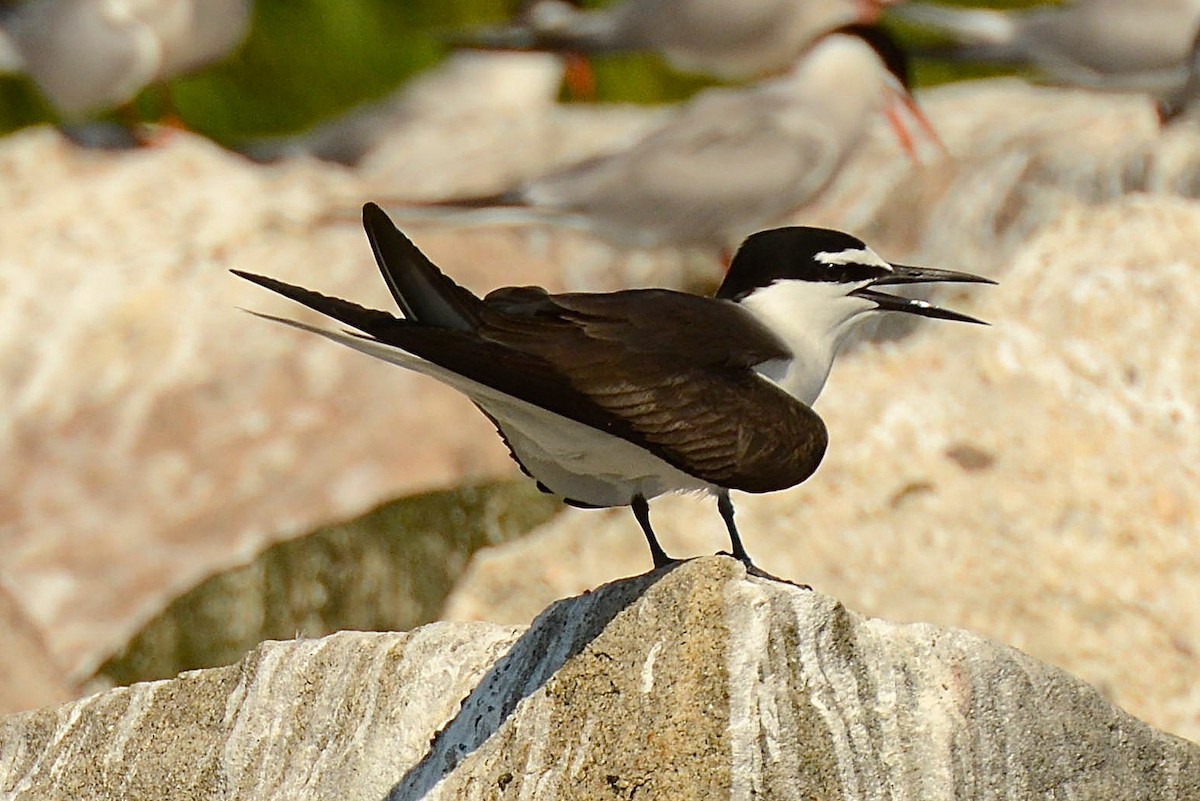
(574, 355)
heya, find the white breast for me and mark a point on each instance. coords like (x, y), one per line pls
(813, 320)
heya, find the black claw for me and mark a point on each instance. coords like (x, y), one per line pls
(760, 573)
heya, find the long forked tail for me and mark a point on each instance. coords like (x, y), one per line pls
(424, 292)
(369, 321)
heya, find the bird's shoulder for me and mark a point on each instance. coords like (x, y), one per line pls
(659, 326)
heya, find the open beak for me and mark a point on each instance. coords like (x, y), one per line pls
(904, 274)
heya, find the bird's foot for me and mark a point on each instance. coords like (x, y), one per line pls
(661, 560)
(754, 570)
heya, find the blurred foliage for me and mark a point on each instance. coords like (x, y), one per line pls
(306, 60)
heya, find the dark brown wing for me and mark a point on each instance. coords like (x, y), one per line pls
(675, 370)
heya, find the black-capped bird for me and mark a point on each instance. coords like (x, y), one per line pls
(610, 399)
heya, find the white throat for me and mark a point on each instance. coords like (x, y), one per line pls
(813, 319)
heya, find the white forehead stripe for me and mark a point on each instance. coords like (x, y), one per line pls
(853, 256)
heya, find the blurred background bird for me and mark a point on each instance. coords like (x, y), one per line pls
(1181, 103)
(725, 40)
(732, 160)
(1111, 45)
(89, 56)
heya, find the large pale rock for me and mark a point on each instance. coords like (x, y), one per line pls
(692, 682)
(29, 676)
(155, 434)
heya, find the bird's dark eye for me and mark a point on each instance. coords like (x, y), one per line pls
(852, 272)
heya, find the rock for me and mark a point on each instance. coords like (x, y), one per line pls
(389, 570)
(1034, 481)
(29, 676)
(693, 682)
(156, 435)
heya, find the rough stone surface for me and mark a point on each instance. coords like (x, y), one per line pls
(155, 435)
(693, 682)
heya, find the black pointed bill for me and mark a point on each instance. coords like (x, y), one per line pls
(907, 274)
(903, 274)
(922, 308)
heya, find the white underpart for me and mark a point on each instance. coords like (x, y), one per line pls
(813, 319)
(574, 460)
(853, 256)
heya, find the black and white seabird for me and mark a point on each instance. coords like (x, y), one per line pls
(610, 399)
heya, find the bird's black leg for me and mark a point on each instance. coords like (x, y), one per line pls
(725, 507)
(641, 510)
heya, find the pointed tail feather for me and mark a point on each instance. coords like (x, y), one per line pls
(424, 292)
(369, 321)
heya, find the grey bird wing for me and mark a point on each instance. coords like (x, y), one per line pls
(1104, 44)
(89, 55)
(726, 165)
(731, 40)
(562, 353)
(1115, 45)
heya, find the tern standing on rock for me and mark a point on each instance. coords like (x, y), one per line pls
(731, 161)
(611, 399)
(734, 39)
(87, 56)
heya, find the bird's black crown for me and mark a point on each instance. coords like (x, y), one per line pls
(798, 253)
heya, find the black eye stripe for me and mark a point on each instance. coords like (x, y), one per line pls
(850, 272)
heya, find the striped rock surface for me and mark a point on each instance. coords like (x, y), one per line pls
(698, 681)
